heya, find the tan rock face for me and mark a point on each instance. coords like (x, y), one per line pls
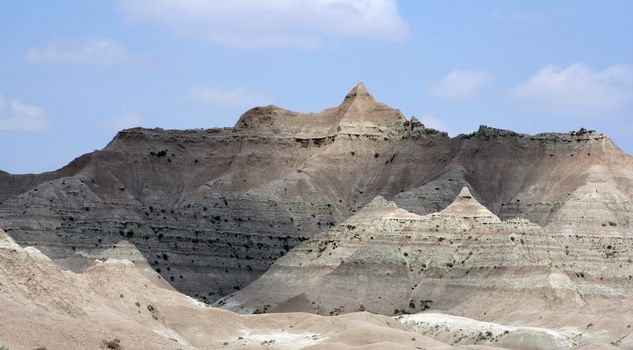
(213, 209)
(358, 114)
(115, 302)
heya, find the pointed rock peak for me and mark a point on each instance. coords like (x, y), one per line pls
(380, 202)
(361, 114)
(358, 90)
(464, 194)
(466, 206)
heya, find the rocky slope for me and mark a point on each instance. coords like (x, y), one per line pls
(114, 305)
(463, 260)
(211, 210)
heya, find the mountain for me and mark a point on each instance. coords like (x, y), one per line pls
(212, 209)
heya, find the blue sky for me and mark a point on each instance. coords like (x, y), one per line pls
(74, 72)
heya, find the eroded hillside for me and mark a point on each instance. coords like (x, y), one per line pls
(212, 209)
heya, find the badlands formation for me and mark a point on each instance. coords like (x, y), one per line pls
(117, 305)
(387, 230)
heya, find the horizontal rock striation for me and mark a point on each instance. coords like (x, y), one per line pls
(464, 259)
(212, 209)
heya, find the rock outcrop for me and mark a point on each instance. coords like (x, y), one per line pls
(462, 260)
(387, 260)
(212, 209)
(359, 115)
(113, 305)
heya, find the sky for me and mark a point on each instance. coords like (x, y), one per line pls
(74, 72)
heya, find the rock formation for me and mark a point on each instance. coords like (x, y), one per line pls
(212, 209)
(387, 260)
(113, 305)
(462, 260)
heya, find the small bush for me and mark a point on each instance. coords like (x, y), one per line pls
(114, 344)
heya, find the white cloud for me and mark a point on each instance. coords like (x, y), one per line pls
(578, 91)
(272, 23)
(229, 98)
(18, 116)
(124, 121)
(460, 84)
(91, 51)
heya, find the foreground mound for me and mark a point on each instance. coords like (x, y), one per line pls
(113, 305)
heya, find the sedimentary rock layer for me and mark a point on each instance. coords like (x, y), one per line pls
(212, 209)
(463, 260)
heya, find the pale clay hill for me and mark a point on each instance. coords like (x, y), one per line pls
(43, 306)
(539, 239)
(462, 260)
(128, 305)
(114, 304)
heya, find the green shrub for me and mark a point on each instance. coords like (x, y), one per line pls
(114, 344)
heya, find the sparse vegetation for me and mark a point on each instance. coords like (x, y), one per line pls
(268, 342)
(114, 344)
(159, 154)
(262, 311)
(425, 304)
(153, 310)
(483, 336)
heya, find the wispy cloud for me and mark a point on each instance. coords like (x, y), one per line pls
(123, 121)
(228, 97)
(460, 84)
(18, 116)
(271, 23)
(579, 91)
(91, 51)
